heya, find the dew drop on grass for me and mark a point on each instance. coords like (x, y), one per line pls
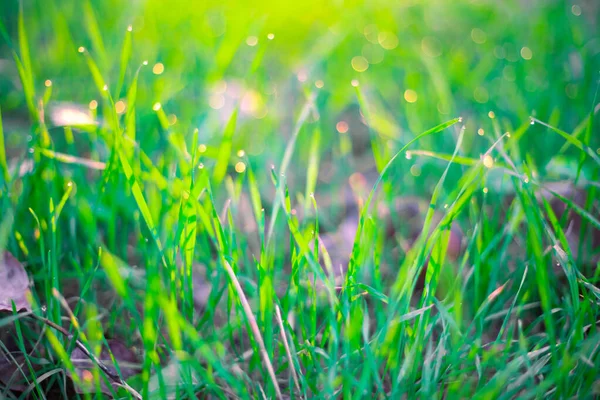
(485, 190)
(271, 36)
(319, 84)
(507, 134)
(460, 119)
(445, 205)
(480, 132)
(105, 88)
(156, 106)
(202, 148)
(241, 153)
(29, 138)
(31, 150)
(81, 49)
(48, 83)
(492, 114)
(200, 166)
(408, 155)
(354, 82)
(129, 28)
(145, 62)
(531, 121)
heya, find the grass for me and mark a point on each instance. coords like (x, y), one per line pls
(167, 170)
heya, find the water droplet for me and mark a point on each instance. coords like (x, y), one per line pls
(492, 114)
(312, 195)
(81, 49)
(43, 308)
(408, 155)
(525, 179)
(70, 184)
(271, 36)
(507, 134)
(105, 88)
(145, 62)
(48, 83)
(200, 166)
(485, 190)
(129, 28)
(156, 106)
(146, 239)
(480, 132)
(202, 148)
(93, 105)
(272, 166)
(31, 150)
(319, 84)
(241, 153)
(29, 138)
(354, 82)
(576, 10)
(459, 119)
(445, 205)
(531, 121)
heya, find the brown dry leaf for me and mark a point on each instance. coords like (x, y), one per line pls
(125, 358)
(15, 284)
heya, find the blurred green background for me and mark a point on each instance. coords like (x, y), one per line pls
(417, 62)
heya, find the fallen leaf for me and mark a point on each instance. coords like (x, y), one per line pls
(15, 284)
(125, 358)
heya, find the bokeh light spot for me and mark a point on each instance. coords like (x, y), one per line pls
(478, 36)
(387, 40)
(342, 127)
(240, 167)
(216, 101)
(158, 69)
(526, 53)
(410, 95)
(251, 41)
(120, 107)
(488, 161)
(360, 64)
